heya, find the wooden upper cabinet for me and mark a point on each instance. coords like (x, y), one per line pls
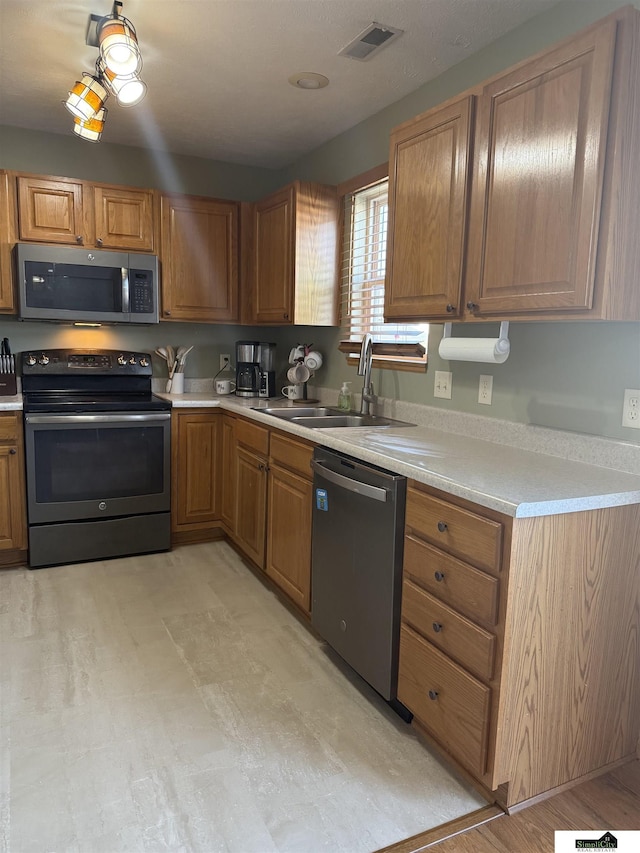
(274, 257)
(124, 218)
(199, 259)
(429, 173)
(540, 148)
(63, 210)
(295, 269)
(51, 210)
(7, 239)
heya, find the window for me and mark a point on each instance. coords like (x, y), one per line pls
(364, 258)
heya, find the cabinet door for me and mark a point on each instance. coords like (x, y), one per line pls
(228, 465)
(251, 504)
(124, 218)
(7, 239)
(538, 175)
(274, 228)
(428, 197)
(195, 476)
(13, 519)
(289, 534)
(51, 211)
(199, 259)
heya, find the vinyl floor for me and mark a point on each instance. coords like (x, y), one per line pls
(171, 702)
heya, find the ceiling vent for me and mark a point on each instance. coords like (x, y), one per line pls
(370, 41)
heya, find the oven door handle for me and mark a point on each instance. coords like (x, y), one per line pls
(96, 419)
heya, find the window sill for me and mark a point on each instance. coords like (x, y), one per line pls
(407, 357)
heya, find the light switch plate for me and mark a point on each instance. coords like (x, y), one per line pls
(442, 383)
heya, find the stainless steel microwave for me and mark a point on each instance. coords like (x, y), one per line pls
(71, 285)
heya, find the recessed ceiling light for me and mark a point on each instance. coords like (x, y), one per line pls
(308, 80)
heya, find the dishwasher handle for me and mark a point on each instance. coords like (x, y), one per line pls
(347, 483)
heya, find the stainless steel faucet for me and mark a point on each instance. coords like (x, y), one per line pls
(364, 369)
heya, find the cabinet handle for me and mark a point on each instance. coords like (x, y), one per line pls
(99, 241)
(442, 526)
(450, 308)
(433, 694)
(437, 627)
(472, 306)
(79, 239)
(167, 313)
(13, 451)
(439, 576)
(285, 316)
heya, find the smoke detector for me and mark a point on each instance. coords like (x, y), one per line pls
(370, 41)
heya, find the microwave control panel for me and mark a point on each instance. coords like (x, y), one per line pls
(141, 291)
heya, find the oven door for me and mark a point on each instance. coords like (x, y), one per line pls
(97, 466)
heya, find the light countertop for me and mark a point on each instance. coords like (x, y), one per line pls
(519, 483)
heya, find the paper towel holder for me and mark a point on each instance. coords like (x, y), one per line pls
(501, 345)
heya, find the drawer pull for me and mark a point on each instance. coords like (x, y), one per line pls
(433, 694)
(450, 308)
(439, 576)
(472, 306)
(442, 526)
(13, 451)
(437, 627)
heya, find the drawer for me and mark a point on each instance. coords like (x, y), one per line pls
(252, 436)
(471, 646)
(458, 714)
(458, 584)
(8, 427)
(291, 454)
(456, 530)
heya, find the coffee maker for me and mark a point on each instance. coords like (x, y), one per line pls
(267, 370)
(248, 373)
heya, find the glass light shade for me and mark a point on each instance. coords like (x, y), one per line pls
(92, 128)
(119, 46)
(129, 89)
(86, 98)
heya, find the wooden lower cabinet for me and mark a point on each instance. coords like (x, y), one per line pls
(228, 474)
(251, 504)
(520, 640)
(13, 515)
(289, 518)
(196, 451)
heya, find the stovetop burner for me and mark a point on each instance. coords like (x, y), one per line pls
(70, 381)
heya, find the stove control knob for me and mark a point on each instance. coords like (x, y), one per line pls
(31, 360)
(121, 359)
(44, 359)
(132, 359)
(144, 362)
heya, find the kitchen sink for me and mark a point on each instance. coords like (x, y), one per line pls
(324, 417)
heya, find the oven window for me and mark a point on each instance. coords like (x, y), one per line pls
(98, 463)
(73, 287)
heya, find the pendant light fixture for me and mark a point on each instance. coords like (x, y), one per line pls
(92, 128)
(117, 73)
(119, 44)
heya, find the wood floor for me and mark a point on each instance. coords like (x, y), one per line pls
(610, 802)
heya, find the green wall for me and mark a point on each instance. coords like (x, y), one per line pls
(565, 375)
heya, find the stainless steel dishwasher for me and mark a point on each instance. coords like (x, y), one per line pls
(358, 521)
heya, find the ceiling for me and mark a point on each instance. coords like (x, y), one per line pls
(217, 70)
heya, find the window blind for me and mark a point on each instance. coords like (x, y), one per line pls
(364, 255)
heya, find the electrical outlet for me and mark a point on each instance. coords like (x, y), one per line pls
(631, 408)
(485, 389)
(225, 361)
(442, 384)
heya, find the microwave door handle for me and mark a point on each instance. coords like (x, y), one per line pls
(125, 290)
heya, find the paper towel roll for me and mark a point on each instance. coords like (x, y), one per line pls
(490, 350)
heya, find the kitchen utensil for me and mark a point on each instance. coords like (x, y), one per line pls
(313, 360)
(177, 383)
(225, 386)
(298, 373)
(295, 392)
(181, 357)
(162, 352)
